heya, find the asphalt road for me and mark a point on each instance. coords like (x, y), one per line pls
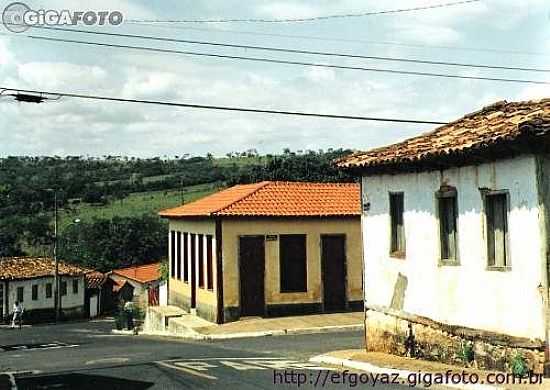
(87, 356)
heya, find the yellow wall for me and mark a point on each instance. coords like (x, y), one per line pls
(179, 290)
(313, 228)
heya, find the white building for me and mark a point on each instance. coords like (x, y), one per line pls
(30, 280)
(455, 234)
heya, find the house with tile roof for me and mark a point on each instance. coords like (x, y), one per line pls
(141, 284)
(30, 280)
(267, 249)
(456, 222)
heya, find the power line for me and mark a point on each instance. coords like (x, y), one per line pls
(310, 19)
(349, 40)
(287, 62)
(223, 108)
(299, 51)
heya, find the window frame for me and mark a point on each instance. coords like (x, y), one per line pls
(20, 294)
(209, 262)
(486, 194)
(48, 290)
(34, 292)
(285, 289)
(76, 286)
(396, 251)
(63, 288)
(443, 194)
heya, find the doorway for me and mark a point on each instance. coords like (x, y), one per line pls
(252, 272)
(333, 259)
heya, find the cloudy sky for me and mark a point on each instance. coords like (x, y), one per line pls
(495, 32)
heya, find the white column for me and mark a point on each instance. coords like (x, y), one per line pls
(215, 264)
(182, 257)
(197, 243)
(170, 253)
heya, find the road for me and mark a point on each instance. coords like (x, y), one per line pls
(86, 355)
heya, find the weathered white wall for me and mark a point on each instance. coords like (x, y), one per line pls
(468, 294)
(68, 301)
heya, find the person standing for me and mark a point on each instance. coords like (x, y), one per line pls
(17, 314)
(129, 310)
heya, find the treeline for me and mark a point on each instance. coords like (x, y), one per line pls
(27, 199)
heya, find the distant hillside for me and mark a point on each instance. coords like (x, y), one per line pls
(115, 186)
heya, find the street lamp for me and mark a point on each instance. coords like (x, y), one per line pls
(56, 295)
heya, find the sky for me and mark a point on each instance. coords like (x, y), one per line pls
(493, 32)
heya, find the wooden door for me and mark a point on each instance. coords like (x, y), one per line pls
(333, 258)
(252, 271)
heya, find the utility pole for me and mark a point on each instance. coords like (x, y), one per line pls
(56, 272)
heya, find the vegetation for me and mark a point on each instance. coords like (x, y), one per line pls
(518, 365)
(116, 198)
(466, 353)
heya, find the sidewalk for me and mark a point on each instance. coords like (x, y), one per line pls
(409, 368)
(190, 326)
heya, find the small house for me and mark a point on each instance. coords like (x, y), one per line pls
(457, 225)
(141, 284)
(267, 249)
(30, 280)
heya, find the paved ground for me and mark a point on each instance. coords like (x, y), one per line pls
(87, 356)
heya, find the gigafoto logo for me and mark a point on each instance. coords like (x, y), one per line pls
(19, 17)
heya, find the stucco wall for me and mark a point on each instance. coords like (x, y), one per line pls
(180, 292)
(467, 294)
(313, 228)
(67, 301)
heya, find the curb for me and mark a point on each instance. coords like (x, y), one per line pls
(193, 335)
(402, 374)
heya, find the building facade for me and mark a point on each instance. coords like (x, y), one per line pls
(140, 284)
(267, 249)
(455, 222)
(30, 281)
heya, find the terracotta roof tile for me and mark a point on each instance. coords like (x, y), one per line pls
(95, 279)
(141, 273)
(497, 124)
(276, 199)
(34, 267)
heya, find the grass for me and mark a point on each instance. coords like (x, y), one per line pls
(135, 204)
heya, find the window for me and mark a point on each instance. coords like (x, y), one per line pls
(209, 273)
(201, 260)
(172, 254)
(397, 248)
(447, 208)
(20, 293)
(496, 213)
(48, 290)
(63, 288)
(75, 286)
(293, 263)
(35, 292)
(186, 257)
(178, 255)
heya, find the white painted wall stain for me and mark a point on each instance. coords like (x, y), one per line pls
(468, 294)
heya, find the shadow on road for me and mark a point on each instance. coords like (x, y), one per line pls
(76, 381)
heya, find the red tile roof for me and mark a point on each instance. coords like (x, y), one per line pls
(500, 124)
(276, 199)
(141, 273)
(95, 279)
(12, 268)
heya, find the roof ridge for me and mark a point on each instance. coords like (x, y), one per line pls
(260, 185)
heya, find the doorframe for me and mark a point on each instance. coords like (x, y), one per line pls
(262, 236)
(322, 262)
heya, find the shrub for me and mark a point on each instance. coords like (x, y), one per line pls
(466, 352)
(519, 365)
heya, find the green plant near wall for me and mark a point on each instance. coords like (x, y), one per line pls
(466, 352)
(518, 365)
